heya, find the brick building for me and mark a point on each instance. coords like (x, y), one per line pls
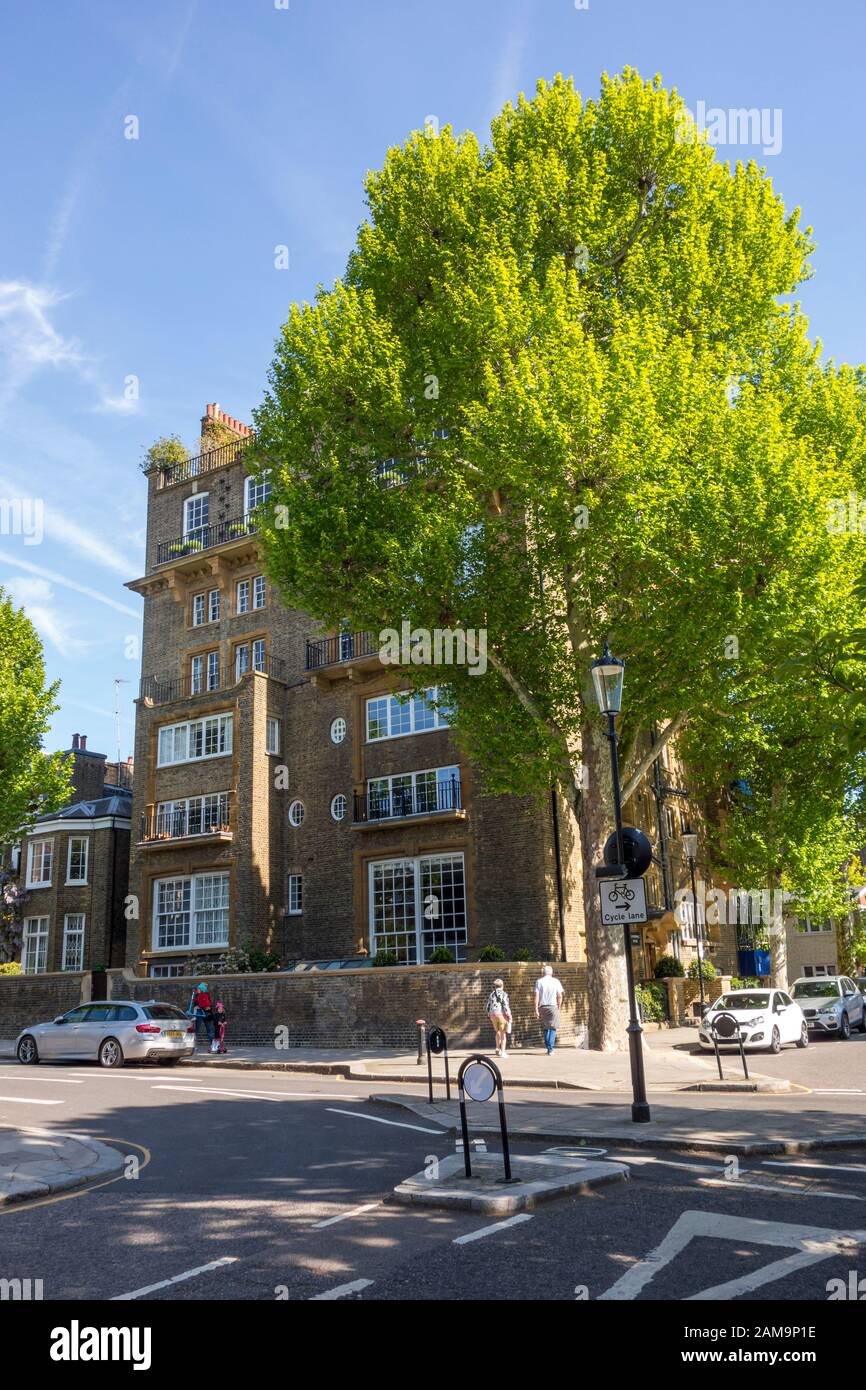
(73, 865)
(287, 798)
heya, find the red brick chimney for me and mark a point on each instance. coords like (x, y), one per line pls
(215, 416)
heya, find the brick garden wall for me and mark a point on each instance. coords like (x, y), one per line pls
(357, 1008)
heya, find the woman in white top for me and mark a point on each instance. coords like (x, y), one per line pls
(499, 1013)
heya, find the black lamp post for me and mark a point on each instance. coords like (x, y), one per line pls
(690, 846)
(607, 674)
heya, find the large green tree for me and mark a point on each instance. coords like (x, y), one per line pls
(573, 346)
(30, 780)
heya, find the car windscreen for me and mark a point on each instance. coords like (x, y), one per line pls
(815, 989)
(163, 1011)
(743, 1001)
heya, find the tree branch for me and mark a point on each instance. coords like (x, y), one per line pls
(646, 762)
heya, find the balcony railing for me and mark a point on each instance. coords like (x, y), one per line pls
(184, 822)
(424, 799)
(206, 537)
(161, 690)
(203, 463)
(348, 646)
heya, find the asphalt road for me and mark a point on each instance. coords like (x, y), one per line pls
(233, 1177)
(827, 1066)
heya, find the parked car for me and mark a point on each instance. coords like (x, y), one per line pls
(111, 1033)
(860, 982)
(831, 1004)
(768, 1018)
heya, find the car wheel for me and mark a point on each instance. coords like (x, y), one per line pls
(863, 1020)
(845, 1026)
(803, 1040)
(110, 1053)
(27, 1052)
(776, 1042)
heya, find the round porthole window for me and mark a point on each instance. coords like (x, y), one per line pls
(296, 813)
(338, 806)
(338, 730)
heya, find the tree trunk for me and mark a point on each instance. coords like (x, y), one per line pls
(605, 946)
(776, 928)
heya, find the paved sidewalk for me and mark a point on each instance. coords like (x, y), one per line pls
(668, 1066)
(34, 1163)
(686, 1121)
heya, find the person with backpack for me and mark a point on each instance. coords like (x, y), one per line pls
(200, 1008)
(499, 1013)
(219, 1021)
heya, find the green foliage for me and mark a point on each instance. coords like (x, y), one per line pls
(652, 1002)
(745, 982)
(385, 958)
(164, 454)
(442, 956)
(234, 961)
(31, 782)
(668, 967)
(707, 969)
(10, 967)
(523, 954)
(491, 953)
(261, 961)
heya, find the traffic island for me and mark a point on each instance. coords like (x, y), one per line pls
(36, 1163)
(534, 1179)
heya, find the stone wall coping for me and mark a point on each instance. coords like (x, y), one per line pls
(459, 967)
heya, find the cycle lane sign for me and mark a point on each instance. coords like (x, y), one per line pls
(623, 900)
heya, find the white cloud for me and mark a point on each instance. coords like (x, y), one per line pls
(36, 597)
(69, 584)
(28, 339)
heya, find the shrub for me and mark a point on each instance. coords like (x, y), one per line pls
(385, 958)
(651, 1002)
(261, 961)
(442, 956)
(523, 954)
(234, 961)
(707, 969)
(10, 967)
(668, 968)
(491, 953)
(165, 453)
(746, 982)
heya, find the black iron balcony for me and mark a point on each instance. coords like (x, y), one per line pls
(348, 646)
(213, 815)
(206, 537)
(162, 690)
(202, 463)
(396, 803)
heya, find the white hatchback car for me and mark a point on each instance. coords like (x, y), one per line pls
(768, 1018)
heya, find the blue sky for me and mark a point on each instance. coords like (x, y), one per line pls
(154, 258)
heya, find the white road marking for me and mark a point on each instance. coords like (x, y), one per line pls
(345, 1216)
(376, 1120)
(31, 1100)
(666, 1162)
(780, 1189)
(824, 1167)
(839, 1091)
(264, 1095)
(341, 1291)
(811, 1244)
(60, 1080)
(175, 1279)
(491, 1230)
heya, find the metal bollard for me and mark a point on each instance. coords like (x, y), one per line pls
(422, 1041)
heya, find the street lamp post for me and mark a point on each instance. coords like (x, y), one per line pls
(607, 674)
(690, 845)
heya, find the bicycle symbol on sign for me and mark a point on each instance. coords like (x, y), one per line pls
(623, 891)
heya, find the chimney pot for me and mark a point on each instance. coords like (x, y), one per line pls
(74, 741)
(83, 744)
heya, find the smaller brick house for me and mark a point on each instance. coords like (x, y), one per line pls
(73, 864)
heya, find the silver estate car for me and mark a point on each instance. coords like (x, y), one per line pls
(831, 1003)
(111, 1033)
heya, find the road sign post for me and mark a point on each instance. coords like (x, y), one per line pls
(437, 1045)
(478, 1078)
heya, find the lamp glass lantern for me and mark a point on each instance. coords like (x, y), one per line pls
(690, 844)
(607, 676)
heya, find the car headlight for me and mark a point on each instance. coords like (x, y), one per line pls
(827, 1009)
(753, 1022)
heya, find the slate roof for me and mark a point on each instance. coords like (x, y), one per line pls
(118, 803)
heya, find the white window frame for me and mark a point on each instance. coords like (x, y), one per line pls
(213, 810)
(186, 730)
(213, 605)
(295, 895)
(196, 882)
(256, 491)
(339, 802)
(199, 610)
(451, 774)
(273, 734)
(258, 654)
(70, 931)
(47, 849)
(393, 704)
(196, 674)
(338, 724)
(294, 822)
(242, 597)
(40, 937)
(192, 504)
(260, 591)
(213, 669)
(242, 666)
(80, 839)
(425, 922)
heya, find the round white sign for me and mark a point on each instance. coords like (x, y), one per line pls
(479, 1083)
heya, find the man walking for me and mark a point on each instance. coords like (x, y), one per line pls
(548, 1001)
